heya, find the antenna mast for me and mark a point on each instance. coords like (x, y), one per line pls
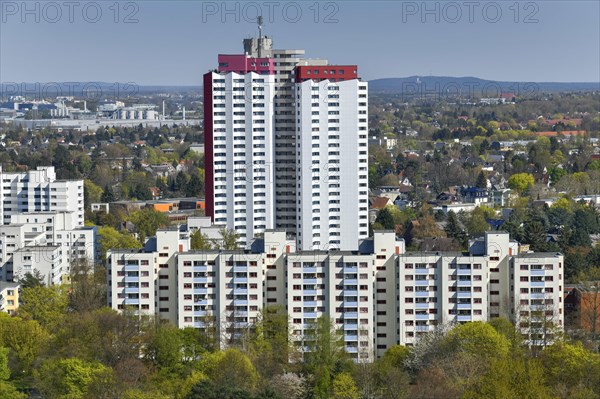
(260, 25)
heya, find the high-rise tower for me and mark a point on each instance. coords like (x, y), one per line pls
(259, 123)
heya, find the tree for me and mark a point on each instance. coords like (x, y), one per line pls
(67, 378)
(476, 224)
(477, 339)
(566, 364)
(25, 339)
(288, 385)
(30, 280)
(147, 221)
(517, 378)
(46, 305)
(521, 182)
(385, 219)
(92, 193)
(482, 180)
(110, 238)
(164, 349)
(229, 239)
(270, 341)
(535, 235)
(454, 230)
(344, 387)
(200, 241)
(107, 195)
(230, 368)
(325, 354)
(88, 286)
(7, 390)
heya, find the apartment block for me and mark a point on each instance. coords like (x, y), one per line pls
(25, 241)
(39, 190)
(332, 158)
(286, 147)
(378, 295)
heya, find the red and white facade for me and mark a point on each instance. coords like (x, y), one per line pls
(276, 158)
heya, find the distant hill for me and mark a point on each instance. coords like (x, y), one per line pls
(481, 87)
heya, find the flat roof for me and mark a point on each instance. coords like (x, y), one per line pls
(538, 255)
(39, 248)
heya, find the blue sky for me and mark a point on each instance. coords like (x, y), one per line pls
(175, 42)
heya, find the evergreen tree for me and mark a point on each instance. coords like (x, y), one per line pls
(108, 194)
(385, 219)
(454, 230)
(481, 180)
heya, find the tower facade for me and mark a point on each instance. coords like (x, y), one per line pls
(260, 126)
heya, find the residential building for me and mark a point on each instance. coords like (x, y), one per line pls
(377, 295)
(22, 244)
(301, 147)
(9, 297)
(39, 190)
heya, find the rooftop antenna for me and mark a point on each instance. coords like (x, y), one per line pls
(259, 20)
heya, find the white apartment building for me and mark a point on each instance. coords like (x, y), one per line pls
(333, 182)
(271, 147)
(243, 152)
(377, 295)
(37, 191)
(39, 230)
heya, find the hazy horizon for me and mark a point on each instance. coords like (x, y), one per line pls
(158, 43)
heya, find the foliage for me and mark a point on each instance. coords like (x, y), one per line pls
(521, 181)
(46, 305)
(110, 238)
(200, 241)
(147, 221)
(68, 378)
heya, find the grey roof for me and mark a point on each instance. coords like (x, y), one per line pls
(34, 248)
(533, 255)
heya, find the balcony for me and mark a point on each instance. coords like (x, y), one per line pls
(421, 294)
(422, 328)
(422, 305)
(464, 306)
(536, 283)
(309, 303)
(421, 283)
(309, 292)
(462, 318)
(309, 269)
(351, 281)
(309, 281)
(421, 317)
